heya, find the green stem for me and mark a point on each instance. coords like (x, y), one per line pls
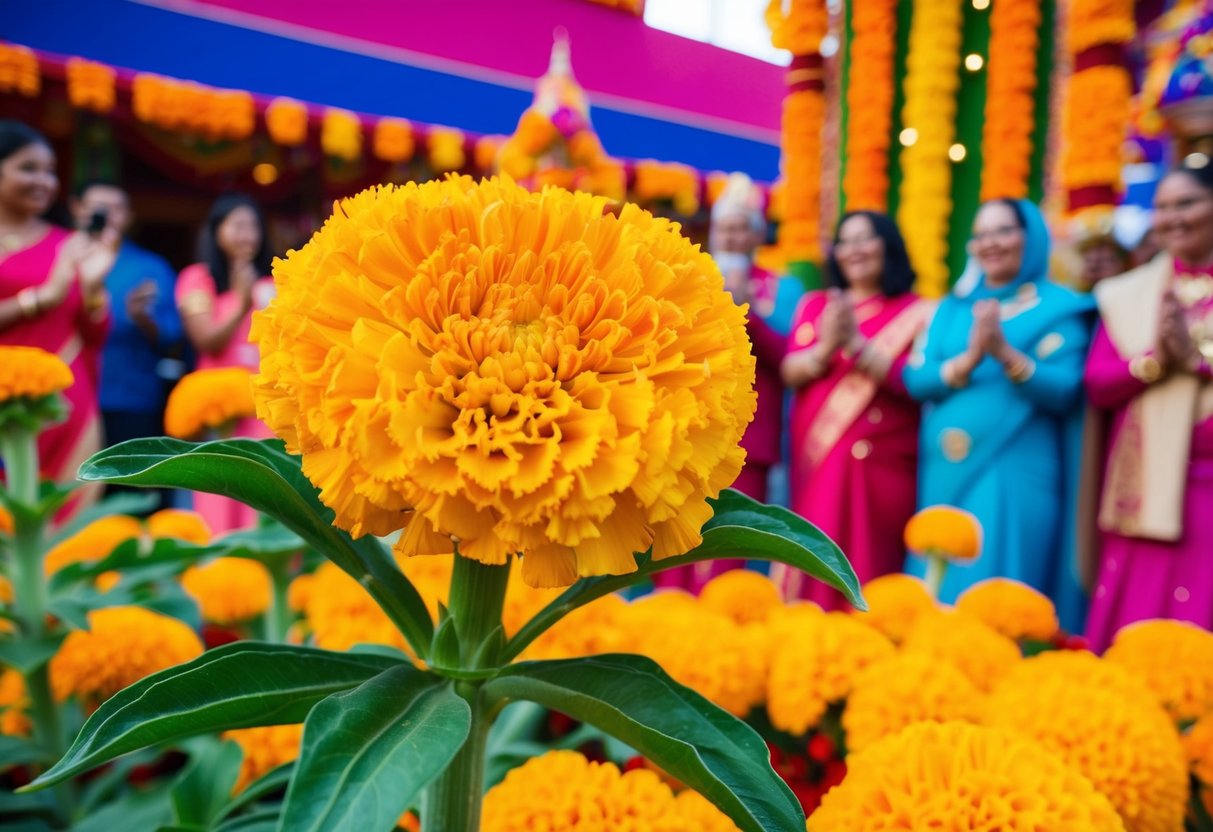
(936, 567)
(278, 616)
(476, 602)
(452, 802)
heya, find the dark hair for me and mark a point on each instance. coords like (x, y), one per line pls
(212, 255)
(898, 275)
(1013, 204)
(1202, 175)
(17, 135)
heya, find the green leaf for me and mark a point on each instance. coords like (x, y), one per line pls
(265, 820)
(263, 475)
(17, 750)
(27, 655)
(268, 785)
(150, 809)
(238, 685)
(632, 699)
(740, 528)
(369, 752)
(203, 788)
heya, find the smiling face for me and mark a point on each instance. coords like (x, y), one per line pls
(239, 234)
(860, 253)
(1183, 218)
(997, 242)
(734, 232)
(28, 181)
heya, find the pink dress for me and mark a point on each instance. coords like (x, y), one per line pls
(855, 446)
(196, 290)
(71, 332)
(1140, 578)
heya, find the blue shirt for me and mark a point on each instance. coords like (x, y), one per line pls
(129, 381)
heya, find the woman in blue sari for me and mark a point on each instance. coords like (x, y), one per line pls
(1000, 370)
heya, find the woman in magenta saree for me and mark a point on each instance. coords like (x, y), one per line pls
(1150, 369)
(854, 430)
(52, 292)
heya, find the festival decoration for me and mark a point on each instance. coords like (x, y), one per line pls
(341, 135)
(195, 108)
(19, 70)
(1010, 113)
(393, 140)
(446, 149)
(91, 85)
(870, 105)
(286, 121)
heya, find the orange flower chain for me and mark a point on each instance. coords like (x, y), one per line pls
(90, 85)
(1006, 142)
(190, 107)
(870, 105)
(19, 71)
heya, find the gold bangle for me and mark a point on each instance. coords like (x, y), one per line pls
(1021, 371)
(28, 302)
(1145, 368)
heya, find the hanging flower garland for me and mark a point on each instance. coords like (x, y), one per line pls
(1010, 114)
(19, 70)
(1097, 104)
(668, 182)
(870, 104)
(341, 134)
(393, 140)
(930, 112)
(193, 108)
(286, 121)
(800, 29)
(90, 85)
(446, 149)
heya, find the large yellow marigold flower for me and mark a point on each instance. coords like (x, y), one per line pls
(94, 542)
(977, 650)
(208, 399)
(1012, 608)
(1106, 726)
(894, 604)
(961, 777)
(30, 372)
(229, 590)
(120, 647)
(265, 748)
(179, 524)
(944, 532)
(524, 373)
(1174, 659)
(819, 667)
(743, 595)
(562, 790)
(902, 690)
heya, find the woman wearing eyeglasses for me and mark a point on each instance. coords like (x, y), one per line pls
(854, 430)
(1000, 372)
(1149, 367)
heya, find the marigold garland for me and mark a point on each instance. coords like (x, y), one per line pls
(1096, 22)
(1174, 659)
(264, 749)
(393, 140)
(515, 377)
(870, 105)
(286, 121)
(229, 590)
(979, 651)
(666, 181)
(91, 85)
(905, 689)
(30, 372)
(1105, 725)
(1010, 113)
(819, 668)
(562, 790)
(1012, 608)
(19, 71)
(185, 106)
(800, 28)
(120, 647)
(958, 776)
(341, 134)
(208, 400)
(803, 119)
(931, 83)
(446, 149)
(895, 602)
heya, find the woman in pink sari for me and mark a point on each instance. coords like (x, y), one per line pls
(52, 291)
(216, 298)
(854, 430)
(1150, 368)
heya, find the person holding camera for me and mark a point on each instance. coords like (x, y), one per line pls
(145, 325)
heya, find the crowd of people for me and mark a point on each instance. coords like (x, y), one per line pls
(1076, 426)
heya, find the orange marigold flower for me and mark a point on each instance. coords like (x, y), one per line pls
(902, 690)
(523, 372)
(29, 372)
(300, 592)
(179, 524)
(799, 26)
(286, 121)
(1198, 747)
(1098, 103)
(1106, 726)
(265, 748)
(977, 650)
(341, 134)
(120, 647)
(1012, 608)
(94, 542)
(6, 521)
(6, 594)
(229, 590)
(535, 132)
(958, 776)
(895, 603)
(446, 149)
(600, 626)
(819, 668)
(563, 790)
(745, 596)
(1174, 659)
(14, 704)
(91, 85)
(208, 400)
(944, 532)
(393, 140)
(19, 71)
(341, 614)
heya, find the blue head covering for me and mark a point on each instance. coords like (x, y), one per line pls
(1033, 269)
